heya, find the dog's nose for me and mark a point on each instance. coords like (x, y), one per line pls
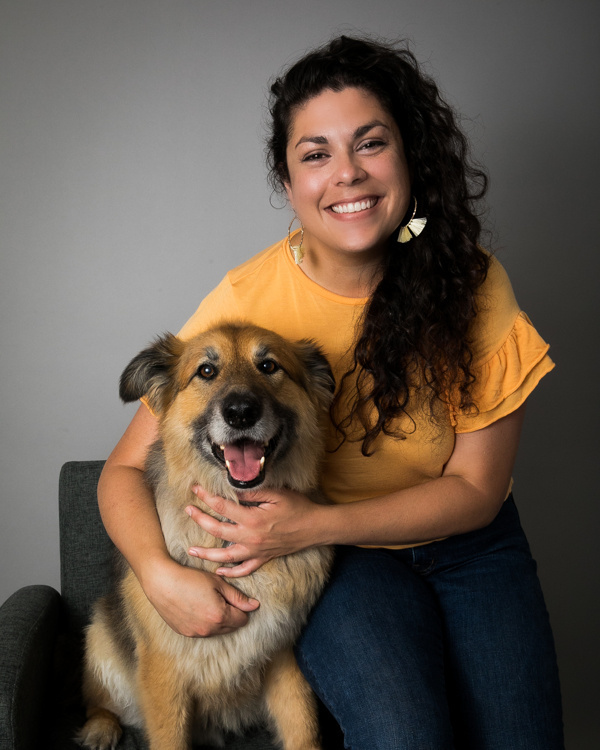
(241, 410)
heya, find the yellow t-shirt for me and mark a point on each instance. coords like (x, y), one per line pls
(510, 358)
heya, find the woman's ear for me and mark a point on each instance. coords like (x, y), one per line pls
(289, 194)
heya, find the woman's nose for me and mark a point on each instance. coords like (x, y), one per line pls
(348, 169)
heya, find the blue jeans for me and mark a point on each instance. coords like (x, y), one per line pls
(442, 646)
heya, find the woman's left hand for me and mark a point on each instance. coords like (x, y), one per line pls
(278, 523)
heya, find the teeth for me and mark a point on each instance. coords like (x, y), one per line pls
(262, 463)
(352, 208)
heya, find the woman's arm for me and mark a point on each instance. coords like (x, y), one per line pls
(467, 496)
(192, 602)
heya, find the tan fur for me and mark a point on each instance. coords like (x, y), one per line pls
(138, 669)
(291, 702)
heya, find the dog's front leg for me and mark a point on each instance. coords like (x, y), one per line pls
(291, 704)
(164, 701)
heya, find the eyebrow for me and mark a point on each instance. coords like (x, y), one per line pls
(358, 133)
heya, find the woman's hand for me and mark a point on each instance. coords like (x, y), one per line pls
(279, 523)
(195, 603)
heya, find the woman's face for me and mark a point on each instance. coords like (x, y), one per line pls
(349, 181)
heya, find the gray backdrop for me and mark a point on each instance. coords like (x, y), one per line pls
(132, 178)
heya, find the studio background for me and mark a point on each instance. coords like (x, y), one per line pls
(132, 178)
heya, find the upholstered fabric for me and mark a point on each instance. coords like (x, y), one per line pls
(86, 552)
(28, 631)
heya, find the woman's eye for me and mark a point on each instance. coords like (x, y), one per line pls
(373, 143)
(314, 157)
(268, 366)
(207, 371)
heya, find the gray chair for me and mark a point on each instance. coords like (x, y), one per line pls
(40, 632)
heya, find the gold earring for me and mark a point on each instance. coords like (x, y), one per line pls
(296, 249)
(413, 228)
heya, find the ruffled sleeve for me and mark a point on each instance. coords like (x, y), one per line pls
(510, 356)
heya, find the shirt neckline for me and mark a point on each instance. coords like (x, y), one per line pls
(317, 288)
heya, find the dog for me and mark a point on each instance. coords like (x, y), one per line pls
(239, 408)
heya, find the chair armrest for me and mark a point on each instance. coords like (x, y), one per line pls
(28, 631)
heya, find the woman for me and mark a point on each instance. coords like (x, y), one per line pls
(433, 632)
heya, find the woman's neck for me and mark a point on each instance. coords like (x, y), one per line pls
(347, 274)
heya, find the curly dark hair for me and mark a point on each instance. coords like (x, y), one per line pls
(418, 317)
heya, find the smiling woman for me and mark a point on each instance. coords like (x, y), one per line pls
(433, 606)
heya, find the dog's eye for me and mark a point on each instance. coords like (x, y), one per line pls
(207, 371)
(268, 366)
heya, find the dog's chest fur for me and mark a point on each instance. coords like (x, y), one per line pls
(287, 588)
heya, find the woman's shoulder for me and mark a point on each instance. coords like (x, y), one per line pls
(238, 288)
(263, 261)
(497, 311)
(497, 280)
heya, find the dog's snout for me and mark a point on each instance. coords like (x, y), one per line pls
(241, 410)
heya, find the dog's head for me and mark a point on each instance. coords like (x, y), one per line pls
(238, 405)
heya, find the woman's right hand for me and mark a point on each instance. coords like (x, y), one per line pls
(195, 603)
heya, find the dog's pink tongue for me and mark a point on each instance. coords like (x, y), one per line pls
(243, 460)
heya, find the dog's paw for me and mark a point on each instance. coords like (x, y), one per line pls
(101, 732)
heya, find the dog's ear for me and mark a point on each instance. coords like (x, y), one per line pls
(151, 373)
(320, 377)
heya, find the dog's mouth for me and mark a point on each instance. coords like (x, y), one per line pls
(245, 461)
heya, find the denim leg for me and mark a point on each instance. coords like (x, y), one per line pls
(502, 676)
(373, 652)
(408, 648)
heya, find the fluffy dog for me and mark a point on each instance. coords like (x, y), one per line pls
(239, 408)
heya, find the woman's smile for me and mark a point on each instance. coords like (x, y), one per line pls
(354, 207)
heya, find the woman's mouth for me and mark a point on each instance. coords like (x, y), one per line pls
(354, 207)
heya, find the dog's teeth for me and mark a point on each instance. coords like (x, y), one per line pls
(262, 463)
(227, 464)
(222, 447)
